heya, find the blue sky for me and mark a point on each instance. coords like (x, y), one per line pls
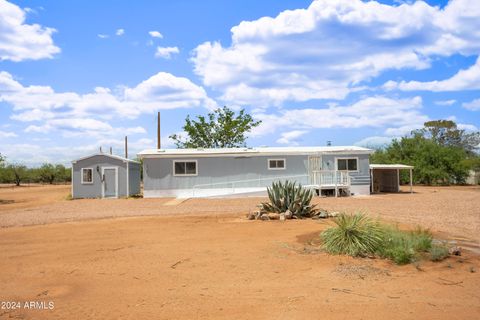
(76, 75)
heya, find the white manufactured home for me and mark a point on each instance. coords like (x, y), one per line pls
(220, 172)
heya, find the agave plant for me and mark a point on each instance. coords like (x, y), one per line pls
(288, 195)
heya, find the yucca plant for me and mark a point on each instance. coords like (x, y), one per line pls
(354, 235)
(288, 195)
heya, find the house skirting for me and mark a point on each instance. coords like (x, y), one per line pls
(360, 190)
(229, 192)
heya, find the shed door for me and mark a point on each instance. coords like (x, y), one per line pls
(109, 182)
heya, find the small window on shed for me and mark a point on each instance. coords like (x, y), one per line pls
(347, 164)
(185, 168)
(87, 175)
(276, 164)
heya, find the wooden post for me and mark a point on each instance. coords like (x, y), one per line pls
(371, 180)
(398, 180)
(110, 150)
(336, 187)
(126, 147)
(158, 131)
(411, 181)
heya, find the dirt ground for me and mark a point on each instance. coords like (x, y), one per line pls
(30, 196)
(200, 259)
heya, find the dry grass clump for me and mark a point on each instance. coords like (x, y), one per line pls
(358, 235)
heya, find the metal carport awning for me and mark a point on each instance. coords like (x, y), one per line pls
(397, 167)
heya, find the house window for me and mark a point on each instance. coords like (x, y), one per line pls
(347, 164)
(276, 164)
(87, 175)
(185, 168)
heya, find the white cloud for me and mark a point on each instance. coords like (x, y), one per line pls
(467, 127)
(326, 50)
(291, 137)
(473, 105)
(74, 113)
(166, 52)
(445, 102)
(120, 32)
(374, 142)
(155, 34)
(102, 36)
(34, 154)
(7, 134)
(467, 79)
(20, 41)
(405, 129)
(376, 112)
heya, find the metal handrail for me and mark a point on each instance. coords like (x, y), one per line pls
(197, 186)
(318, 177)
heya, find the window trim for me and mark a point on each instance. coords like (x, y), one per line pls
(81, 176)
(346, 158)
(186, 174)
(277, 159)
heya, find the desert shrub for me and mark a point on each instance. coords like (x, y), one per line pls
(438, 253)
(403, 247)
(396, 246)
(357, 235)
(421, 239)
(288, 195)
(354, 235)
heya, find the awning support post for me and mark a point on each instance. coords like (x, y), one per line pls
(411, 182)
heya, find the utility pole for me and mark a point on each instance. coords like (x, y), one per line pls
(158, 131)
(126, 147)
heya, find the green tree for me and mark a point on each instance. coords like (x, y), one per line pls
(63, 174)
(446, 133)
(16, 173)
(434, 163)
(220, 129)
(48, 173)
(2, 169)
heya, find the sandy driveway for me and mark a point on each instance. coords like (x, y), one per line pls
(454, 210)
(201, 259)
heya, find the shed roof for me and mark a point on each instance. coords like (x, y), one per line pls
(106, 155)
(390, 166)
(254, 151)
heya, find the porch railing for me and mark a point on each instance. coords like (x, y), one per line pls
(330, 178)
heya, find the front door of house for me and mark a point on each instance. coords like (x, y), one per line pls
(314, 167)
(109, 182)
